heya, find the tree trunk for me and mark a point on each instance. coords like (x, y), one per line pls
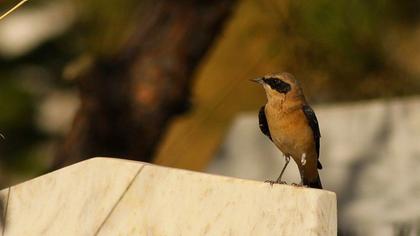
(127, 100)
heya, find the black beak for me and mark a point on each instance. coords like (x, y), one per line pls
(258, 80)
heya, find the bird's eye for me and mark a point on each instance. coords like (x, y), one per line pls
(278, 85)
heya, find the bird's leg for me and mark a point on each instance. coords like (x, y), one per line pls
(301, 180)
(278, 181)
(282, 171)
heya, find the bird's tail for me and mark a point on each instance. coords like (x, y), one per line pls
(313, 183)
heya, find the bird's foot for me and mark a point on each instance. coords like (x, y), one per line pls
(299, 185)
(271, 182)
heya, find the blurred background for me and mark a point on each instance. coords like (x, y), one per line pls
(167, 82)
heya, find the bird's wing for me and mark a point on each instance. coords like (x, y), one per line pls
(313, 123)
(263, 122)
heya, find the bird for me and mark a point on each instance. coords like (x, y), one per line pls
(291, 124)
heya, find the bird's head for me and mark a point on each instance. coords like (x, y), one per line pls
(279, 85)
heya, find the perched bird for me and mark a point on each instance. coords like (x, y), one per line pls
(291, 125)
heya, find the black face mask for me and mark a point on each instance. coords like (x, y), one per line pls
(278, 85)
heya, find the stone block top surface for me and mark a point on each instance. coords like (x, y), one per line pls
(105, 196)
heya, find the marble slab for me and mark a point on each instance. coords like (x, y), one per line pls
(71, 201)
(105, 196)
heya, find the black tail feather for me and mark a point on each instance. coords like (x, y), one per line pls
(316, 183)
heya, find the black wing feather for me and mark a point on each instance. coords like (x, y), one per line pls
(263, 122)
(313, 123)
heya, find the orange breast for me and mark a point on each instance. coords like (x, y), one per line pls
(290, 132)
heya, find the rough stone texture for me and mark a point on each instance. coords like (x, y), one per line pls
(70, 201)
(116, 197)
(370, 152)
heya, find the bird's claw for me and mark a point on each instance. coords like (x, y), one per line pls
(271, 182)
(299, 185)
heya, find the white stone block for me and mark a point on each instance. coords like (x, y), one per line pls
(105, 196)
